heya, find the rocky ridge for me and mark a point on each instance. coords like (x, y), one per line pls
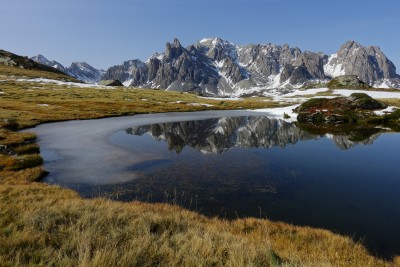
(216, 67)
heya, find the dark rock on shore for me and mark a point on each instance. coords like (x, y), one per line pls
(110, 83)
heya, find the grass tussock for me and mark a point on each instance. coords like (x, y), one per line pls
(27, 149)
(43, 225)
(17, 163)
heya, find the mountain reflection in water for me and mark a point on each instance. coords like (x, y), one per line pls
(215, 136)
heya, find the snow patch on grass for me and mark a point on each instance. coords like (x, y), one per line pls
(200, 104)
(306, 92)
(57, 82)
(373, 94)
(389, 109)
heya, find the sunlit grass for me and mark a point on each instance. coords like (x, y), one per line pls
(7, 72)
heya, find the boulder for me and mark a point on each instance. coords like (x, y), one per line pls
(347, 82)
(110, 83)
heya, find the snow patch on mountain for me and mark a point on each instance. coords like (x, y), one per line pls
(333, 70)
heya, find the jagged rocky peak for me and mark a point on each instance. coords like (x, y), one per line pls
(173, 50)
(218, 49)
(368, 63)
(266, 63)
(178, 69)
(304, 67)
(40, 59)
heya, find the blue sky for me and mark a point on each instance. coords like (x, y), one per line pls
(105, 33)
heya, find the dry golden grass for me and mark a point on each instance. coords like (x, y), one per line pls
(47, 225)
(391, 101)
(43, 225)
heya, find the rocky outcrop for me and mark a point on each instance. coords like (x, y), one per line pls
(338, 110)
(347, 82)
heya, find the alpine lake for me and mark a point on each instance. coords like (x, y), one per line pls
(235, 165)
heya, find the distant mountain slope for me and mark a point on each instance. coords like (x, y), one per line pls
(85, 72)
(217, 67)
(79, 70)
(13, 60)
(42, 60)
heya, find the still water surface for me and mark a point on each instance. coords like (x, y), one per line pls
(249, 166)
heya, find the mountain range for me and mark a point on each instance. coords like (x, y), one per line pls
(216, 67)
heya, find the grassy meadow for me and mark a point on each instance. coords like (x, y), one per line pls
(43, 225)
